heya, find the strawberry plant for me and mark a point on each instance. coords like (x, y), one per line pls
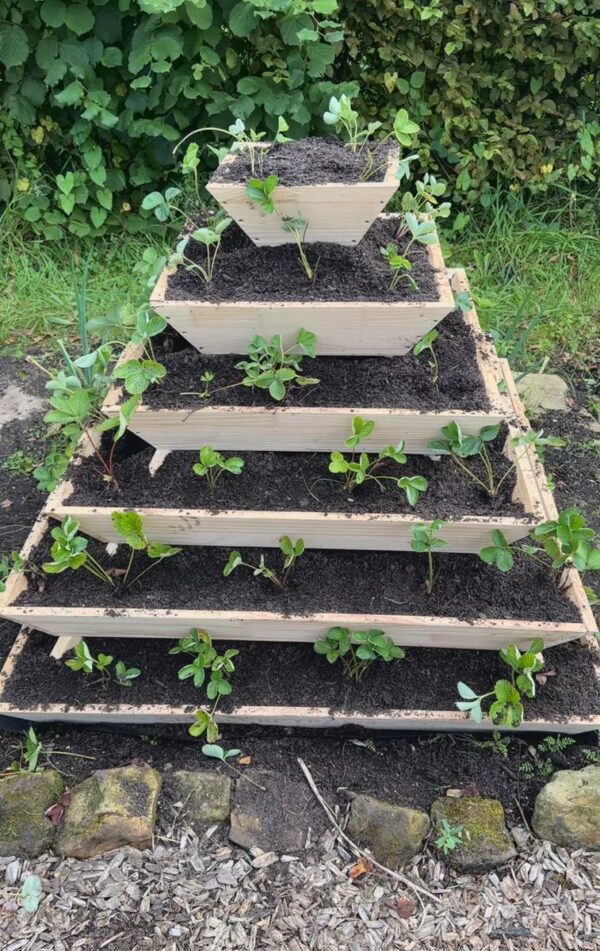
(207, 669)
(260, 192)
(271, 367)
(426, 345)
(83, 660)
(298, 227)
(357, 650)
(424, 541)
(212, 465)
(291, 551)
(507, 696)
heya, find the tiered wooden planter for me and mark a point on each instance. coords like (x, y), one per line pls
(341, 329)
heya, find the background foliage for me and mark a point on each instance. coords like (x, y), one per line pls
(95, 93)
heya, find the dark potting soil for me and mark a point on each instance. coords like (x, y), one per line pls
(311, 161)
(271, 674)
(394, 382)
(244, 272)
(322, 581)
(411, 769)
(286, 481)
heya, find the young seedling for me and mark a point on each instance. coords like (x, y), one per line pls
(459, 447)
(213, 465)
(205, 393)
(207, 669)
(463, 301)
(297, 227)
(507, 708)
(214, 751)
(291, 552)
(261, 192)
(424, 541)
(357, 650)
(243, 140)
(83, 660)
(341, 114)
(210, 237)
(426, 344)
(450, 837)
(271, 367)
(400, 266)
(360, 469)
(8, 564)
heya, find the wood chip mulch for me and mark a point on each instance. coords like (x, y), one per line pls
(193, 892)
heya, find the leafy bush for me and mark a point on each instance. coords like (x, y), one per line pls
(96, 93)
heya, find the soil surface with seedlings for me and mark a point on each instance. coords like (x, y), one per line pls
(312, 161)
(271, 674)
(322, 581)
(389, 382)
(289, 481)
(244, 272)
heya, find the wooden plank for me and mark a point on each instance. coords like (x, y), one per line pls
(288, 716)
(336, 212)
(342, 328)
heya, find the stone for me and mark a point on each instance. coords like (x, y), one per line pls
(205, 795)
(280, 819)
(485, 841)
(567, 809)
(543, 391)
(394, 834)
(16, 403)
(24, 798)
(111, 809)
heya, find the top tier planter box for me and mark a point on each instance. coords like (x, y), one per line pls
(337, 212)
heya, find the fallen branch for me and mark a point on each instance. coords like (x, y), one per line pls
(357, 851)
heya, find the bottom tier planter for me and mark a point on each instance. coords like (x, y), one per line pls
(417, 693)
(473, 605)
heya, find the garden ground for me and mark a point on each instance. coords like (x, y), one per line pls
(537, 283)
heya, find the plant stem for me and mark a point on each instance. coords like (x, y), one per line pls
(429, 582)
(471, 474)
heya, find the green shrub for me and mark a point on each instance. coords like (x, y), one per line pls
(96, 93)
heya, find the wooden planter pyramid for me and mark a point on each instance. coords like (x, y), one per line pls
(341, 330)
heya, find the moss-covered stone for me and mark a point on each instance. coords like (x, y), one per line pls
(567, 810)
(24, 798)
(392, 833)
(113, 808)
(485, 841)
(205, 795)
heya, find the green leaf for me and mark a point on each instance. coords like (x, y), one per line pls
(53, 12)
(14, 46)
(242, 19)
(79, 18)
(71, 94)
(465, 691)
(130, 526)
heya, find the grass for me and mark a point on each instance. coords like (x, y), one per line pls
(36, 290)
(536, 280)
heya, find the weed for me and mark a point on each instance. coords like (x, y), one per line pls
(450, 837)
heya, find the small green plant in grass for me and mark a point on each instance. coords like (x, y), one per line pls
(460, 447)
(507, 696)
(449, 838)
(18, 464)
(298, 227)
(426, 344)
(69, 549)
(271, 367)
(361, 468)
(424, 541)
(291, 551)
(83, 660)
(260, 192)
(8, 564)
(357, 650)
(212, 465)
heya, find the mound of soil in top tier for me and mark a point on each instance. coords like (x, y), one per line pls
(293, 674)
(244, 272)
(344, 381)
(323, 581)
(293, 481)
(311, 161)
